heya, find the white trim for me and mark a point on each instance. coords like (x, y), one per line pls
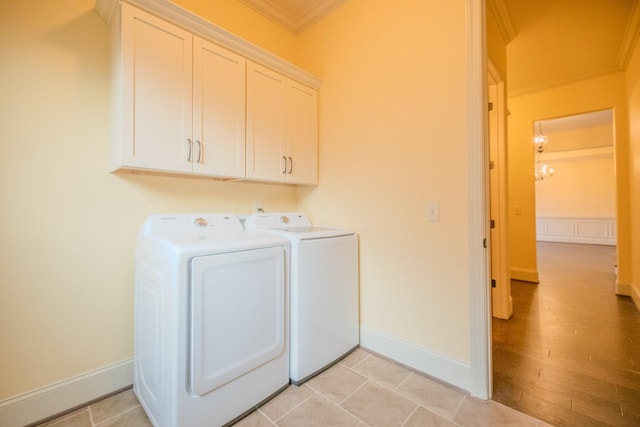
(631, 35)
(292, 23)
(583, 153)
(193, 23)
(524, 275)
(505, 25)
(60, 397)
(592, 231)
(441, 367)
(635, 296)
(478, 182)
(625, 289)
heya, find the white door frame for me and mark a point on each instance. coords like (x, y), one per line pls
(479, 281)
(501, 301)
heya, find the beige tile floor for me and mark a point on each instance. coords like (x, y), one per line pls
(362, 390)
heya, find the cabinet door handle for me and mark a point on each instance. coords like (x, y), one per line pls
(290, 165)
(190, 150)
(199, 151)
(285, 164)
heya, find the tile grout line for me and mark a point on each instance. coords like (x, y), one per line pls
(415, 409)
(115, 416)
(292, 409)
(395, 391)
(90, 416)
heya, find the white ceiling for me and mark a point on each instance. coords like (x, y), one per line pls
(578, 121)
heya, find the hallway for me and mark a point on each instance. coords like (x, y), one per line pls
(570, 355)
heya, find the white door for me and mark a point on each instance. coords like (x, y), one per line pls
(218, 110)
(157, 93)
(238, 315)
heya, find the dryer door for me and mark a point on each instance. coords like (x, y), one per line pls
(238, 315)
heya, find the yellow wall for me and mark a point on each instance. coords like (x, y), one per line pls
(582, 186)
(393, 137)
(593, 94)
(633, 96)
(68, 227)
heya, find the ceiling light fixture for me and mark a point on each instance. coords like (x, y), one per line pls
(541, 170)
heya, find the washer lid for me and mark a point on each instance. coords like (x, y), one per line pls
(293, 225)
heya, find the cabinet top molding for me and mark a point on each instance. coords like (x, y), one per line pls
(197, 25)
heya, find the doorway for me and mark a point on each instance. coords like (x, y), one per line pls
(576, 203)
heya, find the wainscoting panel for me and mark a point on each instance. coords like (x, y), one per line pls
(595, 231)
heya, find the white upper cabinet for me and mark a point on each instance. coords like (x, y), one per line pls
(185, 99)
(302, 131)
(154, 91)
(218, 110)
(282, 128)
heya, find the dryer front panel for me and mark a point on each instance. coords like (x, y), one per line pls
(238, 315)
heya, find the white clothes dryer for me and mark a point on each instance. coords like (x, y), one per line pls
(211, 319)
(324, 321)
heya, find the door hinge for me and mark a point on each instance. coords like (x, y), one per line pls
(491, 106)
(492, 223)
(484, 243)
(491, 165)
(493, 283)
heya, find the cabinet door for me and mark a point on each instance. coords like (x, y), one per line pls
(266, 124)
(218, 110)
(302, 134)
(156, 93)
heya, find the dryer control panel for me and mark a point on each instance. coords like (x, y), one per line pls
(277, 221)
(195, 221)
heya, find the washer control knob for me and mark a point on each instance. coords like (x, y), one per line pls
(284, 219)
(200, 222)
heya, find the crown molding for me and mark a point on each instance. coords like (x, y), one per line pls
(197, 25)
(550, 85)
(294, 24)
(631, 35)
(505, 25)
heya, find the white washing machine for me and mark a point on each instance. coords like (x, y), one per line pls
(324, 321)
(211, 319)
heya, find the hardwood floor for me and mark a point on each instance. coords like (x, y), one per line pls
(570, 355)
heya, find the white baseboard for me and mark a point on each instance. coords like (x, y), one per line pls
(441, 367)
(623, 289)
(635, 296)
(56, 398)
(524, 275)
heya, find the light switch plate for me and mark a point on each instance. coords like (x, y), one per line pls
(433, 211)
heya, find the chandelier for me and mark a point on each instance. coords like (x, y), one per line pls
(541, 170)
